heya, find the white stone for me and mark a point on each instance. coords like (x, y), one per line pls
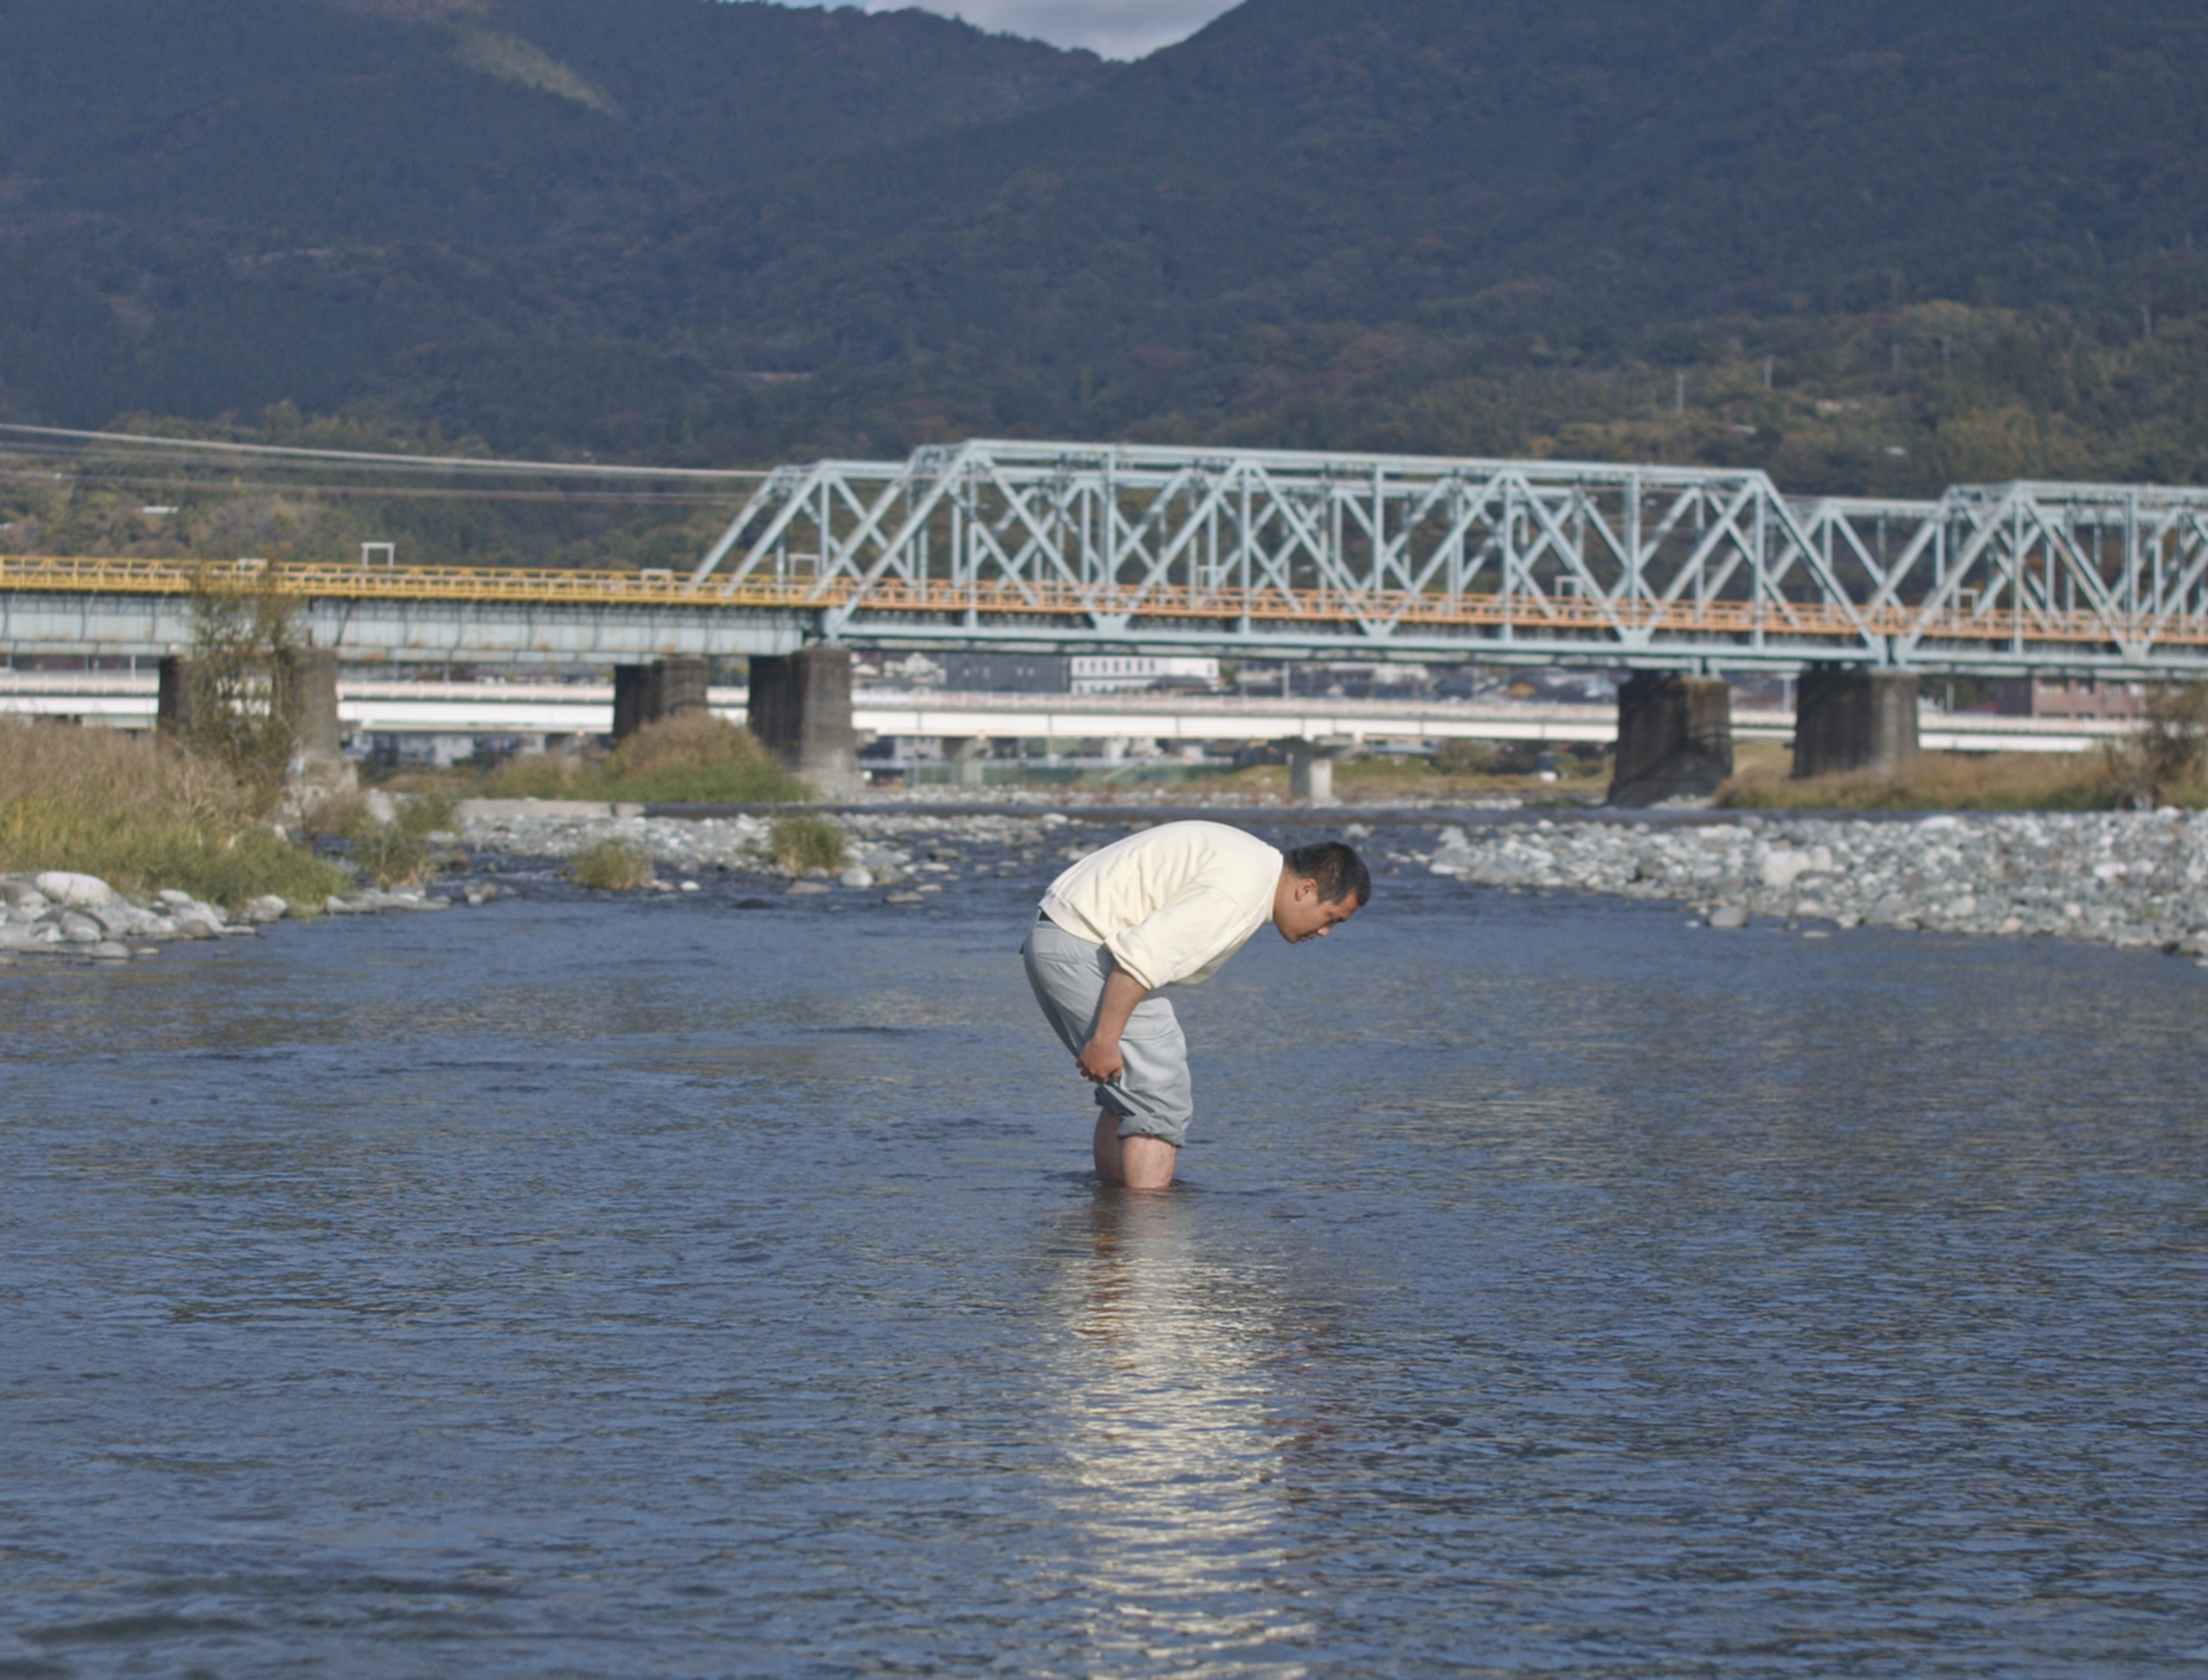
(857, 876)
(1729, 915)
(1782, 868)
(64, 888)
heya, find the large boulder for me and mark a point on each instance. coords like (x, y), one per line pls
(82, 891)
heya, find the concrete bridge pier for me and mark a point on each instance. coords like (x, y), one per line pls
(801, 710)
(311, 695)
(966, 755)
(1848, 719)
(1674, 738)
(1311, 769)
(665, 688)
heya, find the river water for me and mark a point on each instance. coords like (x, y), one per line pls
(580, 1287)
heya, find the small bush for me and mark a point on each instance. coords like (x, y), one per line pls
(698, 758)
(392, 854)
(808, 842)
(613, 866)
(389, 856)
(2166, 761)
(695, 760)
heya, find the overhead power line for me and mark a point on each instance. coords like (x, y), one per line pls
(364, 458)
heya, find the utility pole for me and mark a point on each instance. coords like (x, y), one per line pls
(1679, 393)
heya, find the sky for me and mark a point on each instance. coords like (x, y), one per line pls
(1115, 28)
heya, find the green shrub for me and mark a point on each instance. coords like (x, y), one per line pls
(808, 842)
(613, 866)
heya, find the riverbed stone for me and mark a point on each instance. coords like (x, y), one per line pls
(63, 887)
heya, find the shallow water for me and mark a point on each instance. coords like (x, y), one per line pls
(584, 1287)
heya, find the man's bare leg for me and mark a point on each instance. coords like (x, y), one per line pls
(1139, 1163)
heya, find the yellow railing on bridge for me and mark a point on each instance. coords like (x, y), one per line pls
(1534, 613)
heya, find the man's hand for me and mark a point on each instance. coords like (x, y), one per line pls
(1100, 1058)
(1101, 1061)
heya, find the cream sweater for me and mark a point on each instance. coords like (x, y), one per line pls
(1172, 903)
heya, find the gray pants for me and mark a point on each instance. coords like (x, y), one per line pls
(1151, 1095)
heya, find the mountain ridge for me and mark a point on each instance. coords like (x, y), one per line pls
(747, 230)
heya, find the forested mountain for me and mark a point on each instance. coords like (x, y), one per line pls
(1871, 243)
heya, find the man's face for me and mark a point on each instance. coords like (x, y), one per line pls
(1301, 914)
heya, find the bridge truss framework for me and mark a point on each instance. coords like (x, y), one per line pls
(1399, 557)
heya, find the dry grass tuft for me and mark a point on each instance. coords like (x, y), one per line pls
(809, 842)
(141, 815)
(1762, 780)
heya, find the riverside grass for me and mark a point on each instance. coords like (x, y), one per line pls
(142, 815)
(694, 759)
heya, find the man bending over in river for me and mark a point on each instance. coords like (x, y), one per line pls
(1167, 906)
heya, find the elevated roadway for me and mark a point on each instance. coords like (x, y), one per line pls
(123, 701)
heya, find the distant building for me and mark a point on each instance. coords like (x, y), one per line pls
(2053, 696)
(1115, 673)
(1008, 673)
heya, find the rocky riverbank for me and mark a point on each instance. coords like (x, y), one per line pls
(2136, 880)
(2121, 877)
(59, 914)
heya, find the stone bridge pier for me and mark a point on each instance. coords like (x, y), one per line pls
(1847, 719)
(801, 710)
(1674, 738)
(665, 688)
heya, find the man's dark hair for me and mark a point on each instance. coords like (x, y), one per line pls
(1339, 873)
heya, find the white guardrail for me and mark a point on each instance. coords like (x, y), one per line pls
(124, 700)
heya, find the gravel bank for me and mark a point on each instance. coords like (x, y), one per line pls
(2121, 877)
